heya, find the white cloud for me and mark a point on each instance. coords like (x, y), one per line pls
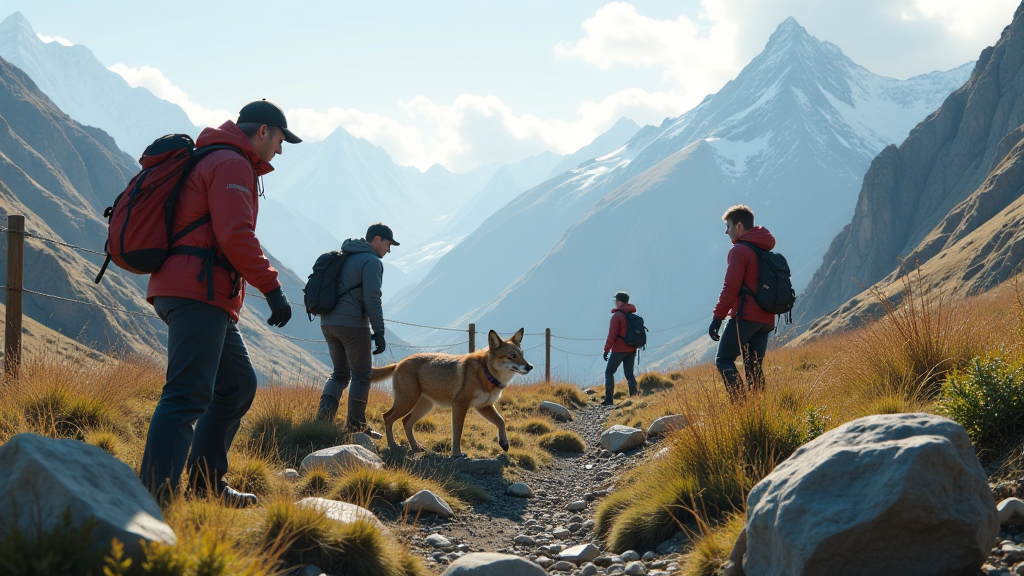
(154, 80)
(58, 39)
(964, 19)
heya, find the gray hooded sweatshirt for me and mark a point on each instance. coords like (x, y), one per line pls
(362, 305)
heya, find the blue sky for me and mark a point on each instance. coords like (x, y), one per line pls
(430, 81)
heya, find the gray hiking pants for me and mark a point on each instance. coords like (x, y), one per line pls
(350, 354)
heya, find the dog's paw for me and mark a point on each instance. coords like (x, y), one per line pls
(503, 444)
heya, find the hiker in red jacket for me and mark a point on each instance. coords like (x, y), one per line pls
(621, 353)
(211, 382)
(749, 325)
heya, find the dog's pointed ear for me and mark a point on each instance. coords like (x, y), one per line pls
(493, 340)
(517, 338)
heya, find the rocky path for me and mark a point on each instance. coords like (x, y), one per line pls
(559, 516)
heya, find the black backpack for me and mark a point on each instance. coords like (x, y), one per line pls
(636, 333)
(321, 292)
(775, 293)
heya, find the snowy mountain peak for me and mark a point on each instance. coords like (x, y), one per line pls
(17, 24)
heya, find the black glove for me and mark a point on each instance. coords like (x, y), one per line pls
(378, 341)
(716, 323)
(280, 309)
(605, 355)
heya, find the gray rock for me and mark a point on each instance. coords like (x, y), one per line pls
(1010, 512)
(520, 490)
(602, 561)
(663, 453)
(667, 424)
(630, 556)
(365, 441)
(343, 512)
(438, 541)
(562, 566)
(561, 413)
(582, 553)
(648, 556)
(41, 478)
(485, 466)
(575, 527)
(910, 481)
(491, 564)
(290, 474)
(604, 454)
(636, 568)
(525, 540)
(576, 506)
(588, 569)
(619, 438)
(561, 533)
(734, 565)
(310, 570)
(426, 501)
(340, 458)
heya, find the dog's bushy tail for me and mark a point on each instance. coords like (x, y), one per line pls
(384, 373)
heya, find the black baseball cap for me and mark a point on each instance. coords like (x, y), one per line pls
(382, 230)
(263, 112)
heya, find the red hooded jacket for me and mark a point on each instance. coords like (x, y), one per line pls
(223, 185)
(617, 330)
(743, 270)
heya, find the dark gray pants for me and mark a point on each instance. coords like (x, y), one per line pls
(210, 385)
(614, 359)
(752, 342)
(350, 354)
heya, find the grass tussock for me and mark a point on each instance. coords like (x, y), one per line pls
(387, 488)
(563, 441)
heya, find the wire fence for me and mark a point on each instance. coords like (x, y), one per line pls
(320, 341)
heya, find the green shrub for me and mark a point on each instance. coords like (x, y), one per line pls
(63, 550)
(251, 475)
(987, 398)
(523, 459)
(536, 426)
(562, 441)
(316, 482)
(570, 395)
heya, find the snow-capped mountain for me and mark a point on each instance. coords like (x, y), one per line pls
(85, 90)
(791, 136)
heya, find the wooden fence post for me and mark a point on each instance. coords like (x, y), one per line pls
(547, 354)
(472, 338)
(15, 275)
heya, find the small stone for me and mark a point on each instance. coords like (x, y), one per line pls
(554, 549)
(520, 490)
(620, 438)
(489, 564)
(613, 570)
(525, 540)
(588, 569)
(583, 553)
(667, 424)
(290, 474)
(340, 458)
(1010, 512)
(636, 568)
(561, 413)
(605, 454)
(438, 541)
(576, 506)
(561, 533)
(602, 561)
(562, 566)
(544, 561)
(648, 556)
(310, 570)
(365, 441)
(1012, 553)
(427, 501)
(630, 556)
(343, 512)
(575, 527)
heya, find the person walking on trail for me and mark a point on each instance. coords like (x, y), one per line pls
(749, 325)
(620, 352)
(210, 381)
(348, 326)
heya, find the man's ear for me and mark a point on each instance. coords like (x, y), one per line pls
(517, 338)
(493, 340)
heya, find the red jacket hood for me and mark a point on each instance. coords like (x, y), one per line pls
(627, 308)
(759, 237)
(229, 133)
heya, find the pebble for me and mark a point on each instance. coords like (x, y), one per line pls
(576, 506)
(630, 556)
(562, 566)
(648, 556)
(588, 569)
(438, 541)
(524, 540)
(636, 568)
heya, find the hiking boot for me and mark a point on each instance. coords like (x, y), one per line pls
(363, 429)
(607, 402)
(328, 409)
(231, 497)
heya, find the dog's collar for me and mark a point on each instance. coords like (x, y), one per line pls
(490, 377)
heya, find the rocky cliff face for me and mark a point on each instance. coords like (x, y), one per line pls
(942, 201)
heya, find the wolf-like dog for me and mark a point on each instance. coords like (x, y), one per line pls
(473, 380)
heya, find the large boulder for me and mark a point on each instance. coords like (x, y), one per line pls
(888, 494)
(339, 458)
(343, 512)
(491, 564)
(620, 438)
(561, 413)
(42, 478)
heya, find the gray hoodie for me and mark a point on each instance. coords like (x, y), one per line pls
(363, 304)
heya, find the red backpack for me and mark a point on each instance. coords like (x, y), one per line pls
(140, 235)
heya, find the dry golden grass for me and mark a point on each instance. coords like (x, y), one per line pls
(109, 403)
